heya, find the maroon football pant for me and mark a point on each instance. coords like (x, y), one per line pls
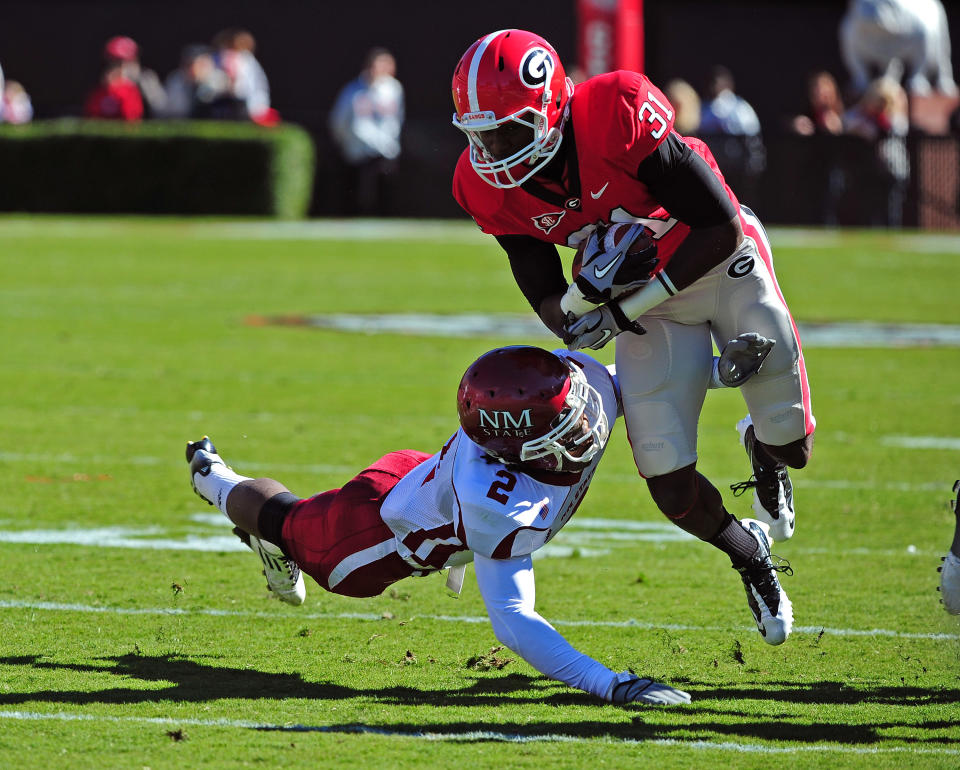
(338, 537)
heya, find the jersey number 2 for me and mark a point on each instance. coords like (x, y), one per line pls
(499, 490)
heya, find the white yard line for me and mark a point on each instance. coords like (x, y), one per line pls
(922, 442)
(646, 626)
(478, 735)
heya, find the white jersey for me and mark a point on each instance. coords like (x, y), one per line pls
(460, 501)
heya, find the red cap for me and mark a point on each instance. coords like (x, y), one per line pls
(121, 47)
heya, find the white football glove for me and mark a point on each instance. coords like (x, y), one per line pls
(950, 569)
(629, 688)
(617, 260)
(741, 358)
(597, 327)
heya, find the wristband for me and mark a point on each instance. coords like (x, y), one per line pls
(646, 298)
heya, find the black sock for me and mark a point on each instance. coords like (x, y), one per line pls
(271, 517)
(735, 541)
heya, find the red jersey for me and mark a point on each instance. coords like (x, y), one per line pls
(119, 100)
(616, 120)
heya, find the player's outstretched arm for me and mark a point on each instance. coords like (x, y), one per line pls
(509, 592)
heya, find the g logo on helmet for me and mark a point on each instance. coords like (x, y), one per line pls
(536, 68)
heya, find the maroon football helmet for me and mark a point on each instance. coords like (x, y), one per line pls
(527, 407)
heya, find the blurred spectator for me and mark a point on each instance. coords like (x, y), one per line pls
(17, 107)
(234, 54)
(116, 97)
(822, 160)
(824, 112)
(195, 84)
(124, 51)
(724, 112)
(686, 105)
(366, 122)
(881, 119)
(729, 125)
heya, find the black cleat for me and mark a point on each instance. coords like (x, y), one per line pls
(772, 610)
(772, 488)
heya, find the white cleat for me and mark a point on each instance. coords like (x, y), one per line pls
(284, 577)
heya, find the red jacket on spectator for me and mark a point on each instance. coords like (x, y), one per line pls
(116, 98)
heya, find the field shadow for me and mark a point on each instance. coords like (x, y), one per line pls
(189, 681)
(193, 682)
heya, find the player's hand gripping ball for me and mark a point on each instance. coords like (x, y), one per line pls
(611, 262)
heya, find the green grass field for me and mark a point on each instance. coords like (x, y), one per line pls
(135, 633)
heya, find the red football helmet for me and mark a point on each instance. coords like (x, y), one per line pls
(511, 93)
(527, 407)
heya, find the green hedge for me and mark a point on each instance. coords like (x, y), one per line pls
(163, 167)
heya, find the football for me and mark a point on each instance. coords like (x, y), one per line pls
(609, 238)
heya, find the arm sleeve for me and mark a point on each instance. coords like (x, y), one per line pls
(536, 267)
(685, 185)
(509, 593)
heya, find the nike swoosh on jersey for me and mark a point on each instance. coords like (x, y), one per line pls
(599, 192)
(600, 272)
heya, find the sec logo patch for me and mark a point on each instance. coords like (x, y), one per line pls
(741, 266)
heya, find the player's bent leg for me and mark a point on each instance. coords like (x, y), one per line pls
(694, 504)
(779, 428)
(243, 500)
